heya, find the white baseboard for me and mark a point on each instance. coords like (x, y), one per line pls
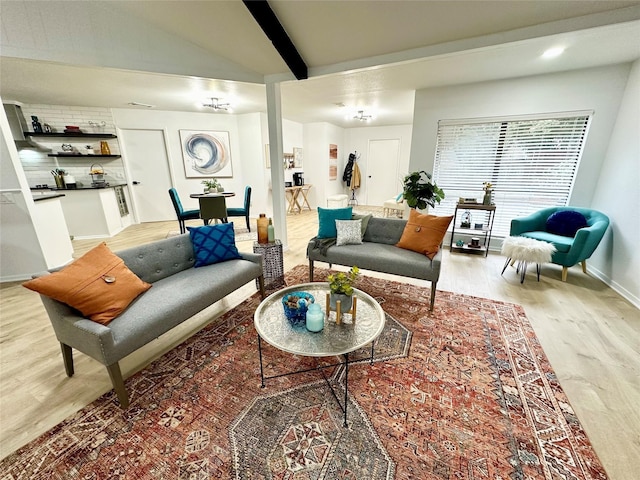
(616, 287)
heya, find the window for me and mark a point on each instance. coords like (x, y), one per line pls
(531, 163)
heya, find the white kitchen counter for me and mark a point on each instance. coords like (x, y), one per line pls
(93, 213)
(50, 224)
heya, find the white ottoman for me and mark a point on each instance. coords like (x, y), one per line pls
(337, 201)
(525, 250)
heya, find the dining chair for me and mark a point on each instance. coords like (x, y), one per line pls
(242, 212)
(213, 208)
(181, 212)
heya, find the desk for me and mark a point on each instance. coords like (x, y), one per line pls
(213, 205)
(293, 194)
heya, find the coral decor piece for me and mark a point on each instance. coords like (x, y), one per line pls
(474, 397)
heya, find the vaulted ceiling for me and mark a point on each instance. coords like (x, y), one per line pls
(362, 55)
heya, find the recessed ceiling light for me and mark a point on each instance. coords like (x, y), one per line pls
(553, 52)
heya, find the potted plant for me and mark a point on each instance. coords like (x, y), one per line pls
(212, 186)
(341, 286)
(419, 191)
(488, 191)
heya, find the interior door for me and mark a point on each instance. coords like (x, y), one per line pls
(382, 170)
(148, 166)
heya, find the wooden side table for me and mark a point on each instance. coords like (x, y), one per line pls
(272, 264)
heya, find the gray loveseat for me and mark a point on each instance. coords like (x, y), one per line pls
(179, 291)
(379, 253)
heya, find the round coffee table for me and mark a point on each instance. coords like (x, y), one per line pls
(333, 340)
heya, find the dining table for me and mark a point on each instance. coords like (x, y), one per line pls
(213, 206)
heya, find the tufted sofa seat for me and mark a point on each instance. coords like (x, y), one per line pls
(179, 291)
(379, 253)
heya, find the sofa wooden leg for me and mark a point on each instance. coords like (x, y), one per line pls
(67, 358)
(584, 266)
(433, 296)
(118, 384)
(565, 270)
(311, 270)
(263, 295)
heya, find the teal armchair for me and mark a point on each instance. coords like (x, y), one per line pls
(569, 250)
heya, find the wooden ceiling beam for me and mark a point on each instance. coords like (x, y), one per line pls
(273, 29)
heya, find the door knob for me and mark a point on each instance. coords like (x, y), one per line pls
(135, 182)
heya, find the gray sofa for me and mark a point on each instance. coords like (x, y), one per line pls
(179, 291)
(379, 253)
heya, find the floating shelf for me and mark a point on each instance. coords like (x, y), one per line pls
(63, 134)
(79, 155)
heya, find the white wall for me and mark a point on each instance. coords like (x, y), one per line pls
(22, 250)
(598, 89)
(358, 139)
(617, 259)
(244, 135)
(317, 138)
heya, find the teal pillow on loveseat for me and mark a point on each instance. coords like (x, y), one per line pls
(327, 220)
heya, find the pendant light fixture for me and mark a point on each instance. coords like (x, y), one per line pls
(216, 105)
(362, 117)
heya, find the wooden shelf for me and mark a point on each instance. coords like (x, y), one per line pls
(63, 134)
(467, 249)
(80, 155)
(484, 233)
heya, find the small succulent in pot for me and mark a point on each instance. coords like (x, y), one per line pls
(343, 282)
(212, 185)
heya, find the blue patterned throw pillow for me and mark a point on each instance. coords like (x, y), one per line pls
(213, 243)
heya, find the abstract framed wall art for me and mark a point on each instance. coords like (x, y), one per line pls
(297, 157)
(206, 154)
(333, 161)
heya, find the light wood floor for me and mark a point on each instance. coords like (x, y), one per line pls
(590, 334)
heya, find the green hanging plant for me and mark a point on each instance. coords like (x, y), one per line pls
(420, 191)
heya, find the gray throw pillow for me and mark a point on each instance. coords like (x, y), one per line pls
(349, 232)
(365, 221)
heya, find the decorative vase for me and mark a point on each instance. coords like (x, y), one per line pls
(263, 227)
(37, 126)
(345, 302)
(314, 318)
(487, 197)
(295, 306)
(104, 148)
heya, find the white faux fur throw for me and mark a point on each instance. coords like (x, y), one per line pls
(527, 249)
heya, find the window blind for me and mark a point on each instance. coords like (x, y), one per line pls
(530, 162)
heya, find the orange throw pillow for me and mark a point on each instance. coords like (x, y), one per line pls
(424, 233)
(98, 284)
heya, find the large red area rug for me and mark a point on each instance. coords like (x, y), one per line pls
(463, 393)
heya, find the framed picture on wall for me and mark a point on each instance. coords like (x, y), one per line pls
(206, 154)
(297, 157)
(333, 162)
